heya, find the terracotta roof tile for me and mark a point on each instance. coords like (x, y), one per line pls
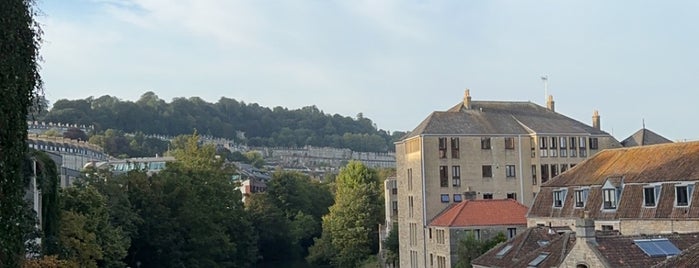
(482, 213)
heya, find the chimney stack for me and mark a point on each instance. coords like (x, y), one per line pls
(550, 103)
(595, 120)
(467, 99)
(585, 228)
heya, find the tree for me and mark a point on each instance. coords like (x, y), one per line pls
(20, 85)
(390, 244)
(351, 225)
(470, 248)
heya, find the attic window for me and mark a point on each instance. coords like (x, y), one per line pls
(610, 198)
(657, 247)
(650, 195)
(581, 197)
(542, 242)
(538, 260)
(683, 194)
(559, 198)
(503, 251)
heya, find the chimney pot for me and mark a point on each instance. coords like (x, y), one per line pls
(467, 99)
(550, 104)
(596, 120)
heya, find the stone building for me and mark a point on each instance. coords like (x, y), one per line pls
(628, 207)
(483, 150)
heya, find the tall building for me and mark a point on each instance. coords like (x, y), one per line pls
(483, 150)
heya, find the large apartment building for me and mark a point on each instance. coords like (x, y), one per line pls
(483, 150)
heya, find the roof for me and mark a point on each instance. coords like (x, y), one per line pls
(482, 213)
(641, 164)
(644, 137)
(527, 246)
(500, 117)
(621, 251)
(687, 258)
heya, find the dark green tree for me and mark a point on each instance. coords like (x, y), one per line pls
(470, 248)
(20, 84)
(390, 244)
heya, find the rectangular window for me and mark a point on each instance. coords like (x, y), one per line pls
(511, 233)
(554, 170)
(649, 196)
(564, 142)
(442, 147)
(512, 196)
(544, 173)
(445, 198)
(456, 176)
(410, 206)
(457, 198)
(573, 142)
(609, 198)
(443, 176)
(683, 194)
(394, 206)
(564, 167)
(510, 143)
(532, 142)
(554, 142)
(593, 144)
(558, 198)
(487, 195)
(455, 148)
(485, 143)
(510, 171)
(487, 171)
(534, 180)
(410, 179)
(543, 148)
(580, 198)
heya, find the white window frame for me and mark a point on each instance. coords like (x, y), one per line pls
(656, 192)
(559, 195)
(689, 188)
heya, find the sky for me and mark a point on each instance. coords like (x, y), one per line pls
(393, 61)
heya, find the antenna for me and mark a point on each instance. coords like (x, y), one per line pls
(644, 122)
(545, 79)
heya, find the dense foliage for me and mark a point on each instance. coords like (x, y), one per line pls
(262, 126)
(350, 229)
(19, 85)
(116, 143)
(470, 248)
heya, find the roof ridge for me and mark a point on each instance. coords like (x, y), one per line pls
(461, 209)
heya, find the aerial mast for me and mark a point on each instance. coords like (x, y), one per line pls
(545, 79)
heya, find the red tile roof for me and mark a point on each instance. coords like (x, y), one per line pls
(482, 213)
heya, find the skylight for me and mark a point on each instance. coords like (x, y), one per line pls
(503, 251)
(538, 260)
(657, 247)
(542, 242)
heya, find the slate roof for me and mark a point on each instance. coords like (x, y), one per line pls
(482, 213)
(621, 251)
(644, 137)
(665, 164)
(500, 117)
(527, 246)
(688, 258)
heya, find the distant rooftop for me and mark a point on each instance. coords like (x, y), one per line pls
(482, 213)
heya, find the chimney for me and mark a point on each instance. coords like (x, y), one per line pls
(595, 120)
(585, 228)
(467, 99)
(550, 104)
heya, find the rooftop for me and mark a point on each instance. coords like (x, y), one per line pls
(482, 213)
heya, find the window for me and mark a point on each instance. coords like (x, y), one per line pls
(683, 194)
(580, 197)
(564, 142)
(573, 150)
(410, 179)
(554, 170)
(430, 229)
(509, 143)
(544, 173)
(610, 198)
(455, 148)
(394, 206)
(477, 234)
(607, 227)
(559, 198)
(445, 198)
(593, 144)
(534, 175)
(538, 260)
(443, 176)
(457, 198)
(410, 206)
(511, 233)
(510, 171)
(413, 234)
(487, 195)
(650, 195)
(564, 167)
(504, 250)
(440, 236)
(543, 148)
(583, 151)
(512, 196)
(661, 247)
(442, 147)
(554, 142)
(532, 142)
(487, 171)
(485, 143)
(456, 176)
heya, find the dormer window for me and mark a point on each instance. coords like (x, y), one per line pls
(611, 192)
(610, 198)
(559, 198)
(683, 194)
(581, 197)
(650, 195)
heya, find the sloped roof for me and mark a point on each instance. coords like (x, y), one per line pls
(500, 117)
(527, 246)
(482, 213)
(640, 164)
(621, 251)
(687, 258)
(642, 137)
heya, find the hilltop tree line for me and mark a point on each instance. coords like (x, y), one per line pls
(191, 215)
(262, 126)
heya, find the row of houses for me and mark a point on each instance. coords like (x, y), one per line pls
(477, 168)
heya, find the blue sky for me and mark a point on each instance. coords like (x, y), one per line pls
(393, 61)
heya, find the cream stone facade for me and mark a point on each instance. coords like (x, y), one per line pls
(483, 150)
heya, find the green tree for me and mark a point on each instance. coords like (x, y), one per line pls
(390, 244)
(20, 85)
(470, 248)
(351, 224)
(275, 239)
